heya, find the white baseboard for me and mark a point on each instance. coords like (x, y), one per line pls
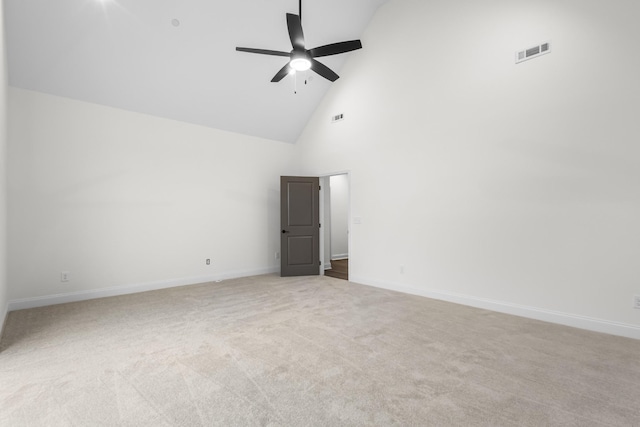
(327, 266)
(338, 257)
(567, 319)
(23, 303)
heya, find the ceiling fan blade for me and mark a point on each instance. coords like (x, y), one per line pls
(262, 51)
(323, 70)
(281, 74)
(295, 31)
(335, 48)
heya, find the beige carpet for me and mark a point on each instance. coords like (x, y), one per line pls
(306, 351)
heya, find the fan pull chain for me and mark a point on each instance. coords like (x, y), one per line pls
(295, 81)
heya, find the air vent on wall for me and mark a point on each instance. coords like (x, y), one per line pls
(533, 52)
(337, 118)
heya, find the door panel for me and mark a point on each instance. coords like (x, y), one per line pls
(300, 250)
(299, 212)
(300, 202)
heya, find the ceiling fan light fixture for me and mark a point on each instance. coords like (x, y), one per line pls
(300, 64)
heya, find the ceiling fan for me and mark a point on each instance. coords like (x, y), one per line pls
(301, 58)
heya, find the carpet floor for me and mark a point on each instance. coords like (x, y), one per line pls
(320, 351)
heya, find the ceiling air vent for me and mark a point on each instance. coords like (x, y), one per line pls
(337, 118)
(533, 52)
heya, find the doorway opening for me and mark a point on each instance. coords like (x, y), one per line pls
(334, 237)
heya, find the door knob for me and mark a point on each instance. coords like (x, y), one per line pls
(285, 231)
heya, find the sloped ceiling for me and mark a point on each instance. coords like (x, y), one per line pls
(176, 58)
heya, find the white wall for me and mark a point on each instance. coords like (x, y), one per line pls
(123, 199)
(514, 187)
(339, 216)
(3, 172)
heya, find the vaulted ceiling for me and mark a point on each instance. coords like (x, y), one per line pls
(176, 58)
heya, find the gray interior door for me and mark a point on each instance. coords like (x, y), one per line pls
(300, 224)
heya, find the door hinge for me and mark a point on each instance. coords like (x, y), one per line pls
(319, 225)
(320, 187)
(320, 262)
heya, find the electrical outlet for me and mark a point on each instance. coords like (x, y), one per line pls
(636, 302)
(208, 261)
(64, 276)
(402, 269)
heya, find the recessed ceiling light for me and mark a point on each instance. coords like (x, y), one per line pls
(175, 22)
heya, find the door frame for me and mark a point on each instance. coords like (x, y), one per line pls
(323, 221)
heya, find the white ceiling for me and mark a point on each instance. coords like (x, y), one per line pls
(128, 54)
